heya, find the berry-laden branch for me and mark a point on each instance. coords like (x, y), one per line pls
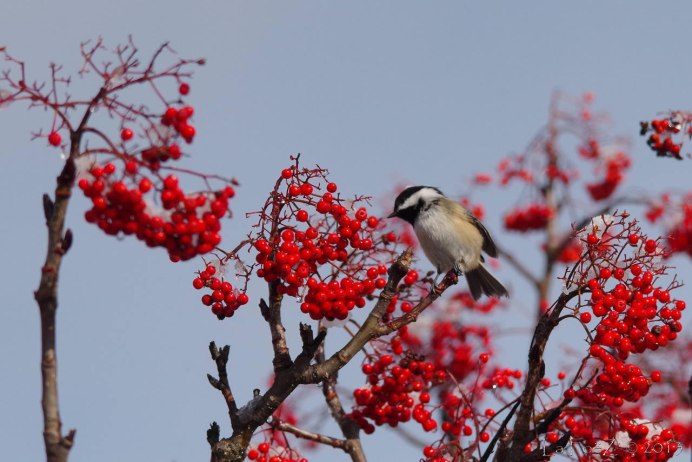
(536, 371)
(258, 411)
(118, 163)
(373, 327)
(622, 271)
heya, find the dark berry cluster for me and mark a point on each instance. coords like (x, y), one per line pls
(661, 136)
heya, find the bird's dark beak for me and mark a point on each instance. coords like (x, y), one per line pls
(391, 215)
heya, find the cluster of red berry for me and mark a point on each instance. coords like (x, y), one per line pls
(316, 228)
(632, 320)
(334, 299)
(532, 217)
(502, 378)
(224, 300)
(265, 452)
(452, 347)
(634, 314)
(661, 136)
(179, 119)
(466, 301)
(188, 225)
(512, 167)
(680, 237)
(614, 166)
(571, 253)
(396, 393)
(139, 201)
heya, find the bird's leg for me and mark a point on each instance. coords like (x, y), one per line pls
(434, 282)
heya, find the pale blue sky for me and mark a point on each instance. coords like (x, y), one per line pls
(375, 91)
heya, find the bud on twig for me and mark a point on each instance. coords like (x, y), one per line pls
(48, 207)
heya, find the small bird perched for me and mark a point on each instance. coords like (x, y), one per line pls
(451, 237)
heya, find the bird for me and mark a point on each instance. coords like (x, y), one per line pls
(451, 237)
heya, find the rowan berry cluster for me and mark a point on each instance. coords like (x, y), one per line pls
(466, 301)
(662, 134)
(224, 299)
(128, 191)
(266, 452)
(187, 225)
(532, 217)
(680, 235)
(179, 119)
(571, 253)
(314, 244)
(612, 165)
(621, 269)
(396, 391)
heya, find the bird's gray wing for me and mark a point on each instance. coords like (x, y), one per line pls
(488, 243)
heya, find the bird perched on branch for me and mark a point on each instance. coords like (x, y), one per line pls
(451, 237)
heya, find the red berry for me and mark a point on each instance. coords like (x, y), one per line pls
(144, 185)
(187, 132)
(302, 216)
(131, 167)
(650, 246)
(286, 173)
(429, 425)
(126, 134)
(184, 88)
(54, 138)
(484, 357)
(331, 187)
(585, 317)
(485, 437)
(592, 239)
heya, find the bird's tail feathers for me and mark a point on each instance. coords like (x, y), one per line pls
(481, 282)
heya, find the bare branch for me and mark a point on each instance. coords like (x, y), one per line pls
(306, 435)
(221, 384)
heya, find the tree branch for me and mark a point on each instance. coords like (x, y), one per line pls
(222, 384)
(272, 314)
(55, 211)
(349, 428)
(306, 435)
(300, 372)
(522, 427)
(372, 327)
